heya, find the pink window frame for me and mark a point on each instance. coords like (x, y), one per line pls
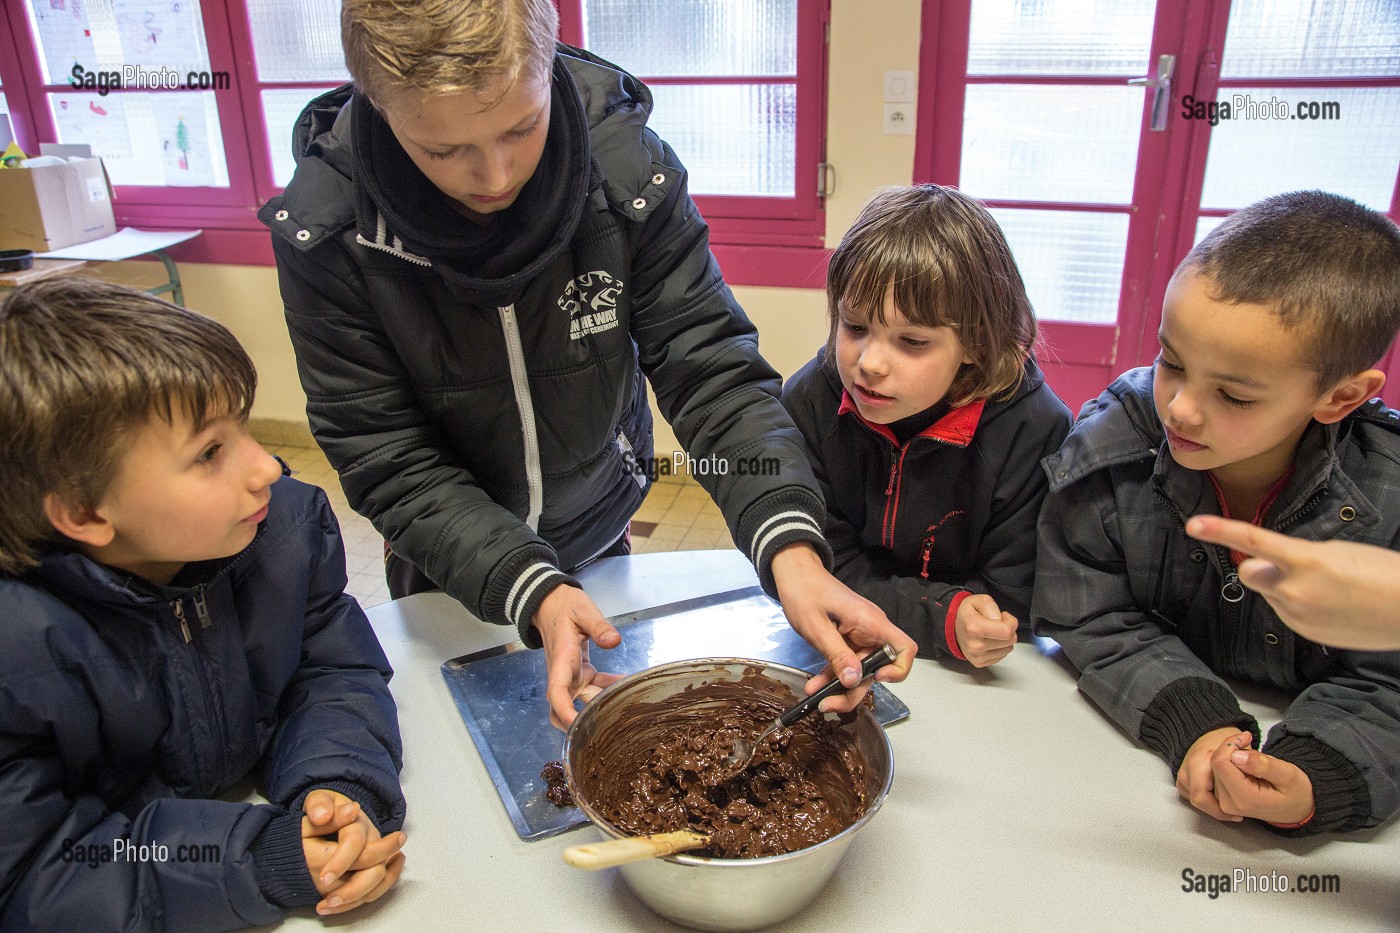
(1171, 177)
(758, 241)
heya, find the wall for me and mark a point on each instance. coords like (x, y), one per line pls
(867, 37)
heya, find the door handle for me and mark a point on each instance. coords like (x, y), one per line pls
(1161, 91)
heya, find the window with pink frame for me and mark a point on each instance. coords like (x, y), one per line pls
(739, 92)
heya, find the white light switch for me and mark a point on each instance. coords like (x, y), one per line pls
(899, 120)
(899, 87)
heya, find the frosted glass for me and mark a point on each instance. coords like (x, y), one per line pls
(1204, 225)
(297, 41)
(733, 139)
(1356, 156)
(107, 34)
(280, 111)
(1072, 263)
(1060, 37)
(1047, 143)
(1305, 38)
(148, 139)
(694, 37)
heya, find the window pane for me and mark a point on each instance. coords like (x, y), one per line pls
(1295, 38)
(732, 139)
(280, 112)
(147, 139)
(1060, 36)
(1356, 156)
(297, 41)
(1047, 143)
(105, 35)
(694, 37)
(1072, 263)
(1204, 225)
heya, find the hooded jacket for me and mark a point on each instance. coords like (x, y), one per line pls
(480, 391)
(1153, 619)
(125, 706)
(917, 527)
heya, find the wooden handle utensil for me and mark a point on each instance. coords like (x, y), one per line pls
(596, 855)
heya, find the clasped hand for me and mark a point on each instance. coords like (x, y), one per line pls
(350, 862)
(1224, 777)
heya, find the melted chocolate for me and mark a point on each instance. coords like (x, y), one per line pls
(558, 788)
(661, 767)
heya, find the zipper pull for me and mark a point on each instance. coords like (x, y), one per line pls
(201, 608)
(889, 490)
(928, 549)
(1233, 590)
(178, 605)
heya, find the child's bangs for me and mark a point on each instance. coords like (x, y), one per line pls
(918, 287)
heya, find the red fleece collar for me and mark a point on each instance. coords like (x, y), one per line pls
(956, 427)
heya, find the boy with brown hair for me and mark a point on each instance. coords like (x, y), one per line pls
(1257, 408)
(174, 616)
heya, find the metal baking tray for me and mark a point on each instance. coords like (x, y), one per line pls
(500, 691)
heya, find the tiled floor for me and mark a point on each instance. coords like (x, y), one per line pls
(677, 516)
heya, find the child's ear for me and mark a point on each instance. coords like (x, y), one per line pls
(1348, 394)
(83, 525)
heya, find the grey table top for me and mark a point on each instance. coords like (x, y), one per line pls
(1016, 806)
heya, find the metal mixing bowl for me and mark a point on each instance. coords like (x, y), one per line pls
(713, 893)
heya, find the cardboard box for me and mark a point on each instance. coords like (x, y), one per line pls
(54, 206)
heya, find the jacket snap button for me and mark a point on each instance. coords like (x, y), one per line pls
(658, 178)
(1197, 556)
(1271, 638)
(639, 203)
(303, 235)
(1347, 513)
(280, 215)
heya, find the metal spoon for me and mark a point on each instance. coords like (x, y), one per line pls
(738, 759)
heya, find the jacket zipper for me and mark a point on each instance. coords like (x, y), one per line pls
(928, 549)
(213, 716)
(519, 379)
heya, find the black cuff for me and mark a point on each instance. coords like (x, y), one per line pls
(517, 586)
(790, 515)
(279, 863)
(1187, 709)
(1343, 802)
(378, 812)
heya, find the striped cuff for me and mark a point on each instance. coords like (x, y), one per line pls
(531, 587)
(516, 588)
(786, 517)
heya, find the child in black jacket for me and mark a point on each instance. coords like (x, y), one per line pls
(926, 418)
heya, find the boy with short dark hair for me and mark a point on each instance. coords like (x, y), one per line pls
(1256, 409)
(174, 615)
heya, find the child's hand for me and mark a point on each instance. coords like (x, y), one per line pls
(1250, 783)
(566, 621)
(1195, 779)
(355, 867)
(985, 634)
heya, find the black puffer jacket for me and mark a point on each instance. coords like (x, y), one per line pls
(951, 512)
(483, 414)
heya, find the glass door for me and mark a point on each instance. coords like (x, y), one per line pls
(1056, 113)
(1096, 132)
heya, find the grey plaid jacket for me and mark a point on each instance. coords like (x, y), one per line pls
(1153, 618)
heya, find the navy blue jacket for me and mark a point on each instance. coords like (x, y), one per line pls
(125, 706)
